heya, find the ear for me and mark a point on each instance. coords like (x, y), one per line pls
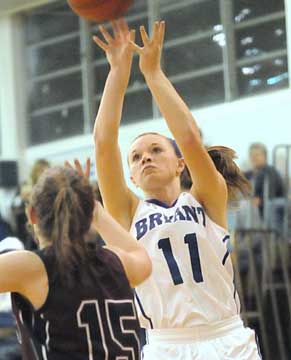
(181, 166)
(133, 181)
(31, 215)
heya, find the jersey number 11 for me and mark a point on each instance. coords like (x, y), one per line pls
(191, 241)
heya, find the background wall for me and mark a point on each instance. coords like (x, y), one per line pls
(265, 118)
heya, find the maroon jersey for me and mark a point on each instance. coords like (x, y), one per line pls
(89, 320)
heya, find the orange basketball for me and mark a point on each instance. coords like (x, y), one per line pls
(100, 10)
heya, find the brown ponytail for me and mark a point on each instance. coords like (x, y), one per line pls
(223, 158)
(64, 204)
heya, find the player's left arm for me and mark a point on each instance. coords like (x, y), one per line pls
(209, 186)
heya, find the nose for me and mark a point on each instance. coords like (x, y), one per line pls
(146, 158)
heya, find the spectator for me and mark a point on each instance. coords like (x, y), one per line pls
(266, 180)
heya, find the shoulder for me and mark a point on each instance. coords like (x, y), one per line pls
(24, 262)
(273, 170)
(20, 257)
(26, 267)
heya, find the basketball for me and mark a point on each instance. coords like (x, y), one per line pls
(100, 10)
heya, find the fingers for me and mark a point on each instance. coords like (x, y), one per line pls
(68, 165)
(87, 168)
(106, 34)
(132, 35)
(159, 32)
(155, 31)
(162, 33)
(78, 167)
(100, 43)
(120, 28)
(115, 27)
(135, 47)
(144, 36)
(123, 25)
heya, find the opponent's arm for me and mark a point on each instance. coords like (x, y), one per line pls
(132, 254)
(23, 272)
(118, 199)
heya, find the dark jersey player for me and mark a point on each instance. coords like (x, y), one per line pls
(72, 299)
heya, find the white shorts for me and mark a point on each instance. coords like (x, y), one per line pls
(223, 340)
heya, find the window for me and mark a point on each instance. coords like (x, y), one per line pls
(261, 45)
(214, 51)
(193, 57)
(55, 97)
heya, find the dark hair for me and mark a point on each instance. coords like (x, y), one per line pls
(223, 159)
(64, 203)
(259, 146)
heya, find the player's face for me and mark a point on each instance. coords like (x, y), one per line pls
(257, 158)
(153, 162)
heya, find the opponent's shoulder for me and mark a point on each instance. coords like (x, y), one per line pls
(26, 267)
(25, 259)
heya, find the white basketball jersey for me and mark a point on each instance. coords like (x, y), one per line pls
(192, 282)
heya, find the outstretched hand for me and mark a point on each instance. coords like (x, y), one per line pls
(117, 47)
(78, 167)
(150, 53)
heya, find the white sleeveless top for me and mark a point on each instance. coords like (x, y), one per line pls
(192, 282)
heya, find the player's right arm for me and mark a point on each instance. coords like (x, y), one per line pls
(117, 197)
(132, 254)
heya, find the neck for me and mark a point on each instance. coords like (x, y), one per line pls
(167, 194)
(41, 241)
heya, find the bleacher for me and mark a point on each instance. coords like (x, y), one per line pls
(262, 261)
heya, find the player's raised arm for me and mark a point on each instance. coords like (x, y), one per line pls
(132, 254)
(209, 185)
(118, 199)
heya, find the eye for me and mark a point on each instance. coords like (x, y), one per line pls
(135, 157)
(156, 149)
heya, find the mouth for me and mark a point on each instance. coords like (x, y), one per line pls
(148, 167)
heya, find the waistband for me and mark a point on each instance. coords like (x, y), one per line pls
(197, 333)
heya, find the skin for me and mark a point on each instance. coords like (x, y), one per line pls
(28, 275)
(154, 167)
(257, 158)
(160, 181)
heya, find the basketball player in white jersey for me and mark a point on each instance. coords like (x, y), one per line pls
(188, 305)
